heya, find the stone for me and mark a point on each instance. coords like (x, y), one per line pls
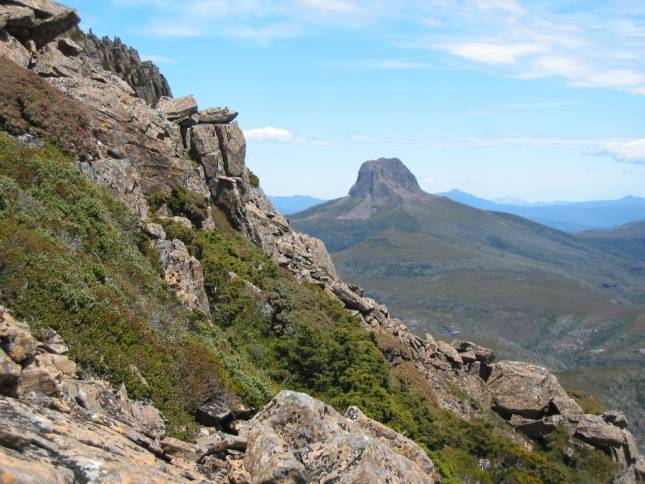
(615, 418)
(15, 338)
(595, 431)
(39, 20)
(396, 441)
(449, 352)
(328, 446)
(565, 406)
(155, 231)
(9, 374)
(142, 76)
(120, 176)
(214, 116)
(482, 354)
(69, 48)
(177, 108)
(35, 379)
(57, 365)
(12, 49)
(52, 341)
(233, 147)
(184, 273)
(203, 140)
(522, 389)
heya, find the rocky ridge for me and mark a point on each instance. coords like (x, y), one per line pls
(142, 150)
(59, 425)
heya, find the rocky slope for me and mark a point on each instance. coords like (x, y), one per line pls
(152, 158)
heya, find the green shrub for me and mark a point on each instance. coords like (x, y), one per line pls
(253, 178)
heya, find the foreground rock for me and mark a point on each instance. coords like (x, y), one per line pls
(57, 427)
(296, 438)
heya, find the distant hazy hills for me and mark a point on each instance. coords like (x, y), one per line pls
(452, 268)
(625, 241)
(566, 216)
(528, 290)
(294, 203)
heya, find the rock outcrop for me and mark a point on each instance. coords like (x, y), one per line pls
(58, 426)
(142, 76)
(296, 438)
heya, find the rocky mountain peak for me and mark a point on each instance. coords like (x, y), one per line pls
(385, 177)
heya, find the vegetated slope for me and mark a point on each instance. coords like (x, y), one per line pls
(530, 291)
(294, 204)
(572, 217)
(626, 240)
(75, 260)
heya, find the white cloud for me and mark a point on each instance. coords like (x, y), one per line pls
(626, 151)
(158, 59)
(492, 53)
(271, 133)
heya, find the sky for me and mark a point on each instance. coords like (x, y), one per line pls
(538, 100)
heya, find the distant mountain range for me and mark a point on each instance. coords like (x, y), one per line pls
(569, 217)
(294, 203)
(530, 291)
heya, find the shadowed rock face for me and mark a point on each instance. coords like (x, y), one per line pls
(385, 177)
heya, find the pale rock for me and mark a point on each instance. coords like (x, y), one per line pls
(155, 231)
(615, 418)
(233, 147)
(184, 273)
(522, 389)
(12, 49)
(15, 338)
(214, 116)
(203, 140)
(329, 446)
(177, 108)
(122, 179)
(69, 48)
(449, 352)
(482, 354)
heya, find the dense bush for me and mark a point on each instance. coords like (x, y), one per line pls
(28, 104)
(184, 203)
(70, 259)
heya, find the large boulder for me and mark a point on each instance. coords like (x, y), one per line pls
(523, 389)
(297, 438)
(39, 20)
(15, 338)
(179, 108)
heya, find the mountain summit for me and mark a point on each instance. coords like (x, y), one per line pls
(385, 177)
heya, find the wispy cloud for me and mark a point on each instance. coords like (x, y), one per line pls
(626, 151)
(592, 44)
(158, 59)
(272, 134)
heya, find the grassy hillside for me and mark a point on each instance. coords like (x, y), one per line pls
(624, 241)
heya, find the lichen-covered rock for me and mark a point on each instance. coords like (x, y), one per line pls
(122, 179)
(15, 338)
(522, 389)
(296, 438)
(175, 109)
(214, 116)
(9, 374)
(184, 273)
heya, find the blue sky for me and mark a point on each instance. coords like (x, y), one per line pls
(541, 100)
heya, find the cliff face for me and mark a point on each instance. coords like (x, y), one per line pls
(141, 152)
